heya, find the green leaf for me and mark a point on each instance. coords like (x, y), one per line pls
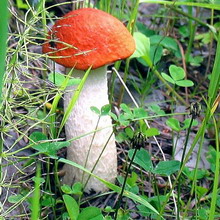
(21, 4)
(105, 109)
(196, 60)
(15, 198)
(38, 136)
(167, 167)
(95, 110)
(77, 188)
(142, 48)
(48, 201)
(144, 30)
(156, 109)
(174, 124)
(185, 83)
(58, 79)
(90, 213)
(200, 173)
(142, 45)
(139, 113)
(114, 116)
(167, 78)
(55, 146)
(184, 31)
(177, 73)
(156, 52)
(132, 180)
(142, 158)
(166, 42)
(71, 206)
(150, 132)
(66, 189)
(187, 123)
(49, 148)
(201, 191)
(129, 132)
(125, 108)
(121, 137)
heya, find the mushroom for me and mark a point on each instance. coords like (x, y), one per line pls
(83, 38)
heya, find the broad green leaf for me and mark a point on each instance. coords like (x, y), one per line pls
(174, 124)
(166, 42)
(15, 198)
(114, 116)
(144, 30)
(71, 206)
(185, 83)
(156, 109)
(201, 191)
(167, 78)
(187, 123)
(38, 136)
(49, 148)
(150, 132)
(156, 52)
(95, 110)
(77, 188)
(167, 167)
(200, 173)
(142, 45)
(184, 31)
(48, 201)
(142, 158)
(177, 73)
(125, 108)
(57, 145)
(58, 79)
(121, 137)
(90, 213)
(21, 4)
(129, 132)
(105, 109)
(132, 180)
(139, 113)
(196, 60)
(66, 189)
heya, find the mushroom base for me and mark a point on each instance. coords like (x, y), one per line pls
(82, 121)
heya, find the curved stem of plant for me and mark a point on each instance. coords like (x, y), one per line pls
(98, 159)
(181, 164)
(87, 156)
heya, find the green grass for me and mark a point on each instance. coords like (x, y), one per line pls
(3, 41)
(157, 186)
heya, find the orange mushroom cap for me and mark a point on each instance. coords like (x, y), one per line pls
(86, 37)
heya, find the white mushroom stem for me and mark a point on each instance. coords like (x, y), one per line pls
(81, 121)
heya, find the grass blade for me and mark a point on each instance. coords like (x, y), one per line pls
(177, 3)
(36, 197)
(113, 187)
(3, 39)
(74, 99)
(216, 178)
